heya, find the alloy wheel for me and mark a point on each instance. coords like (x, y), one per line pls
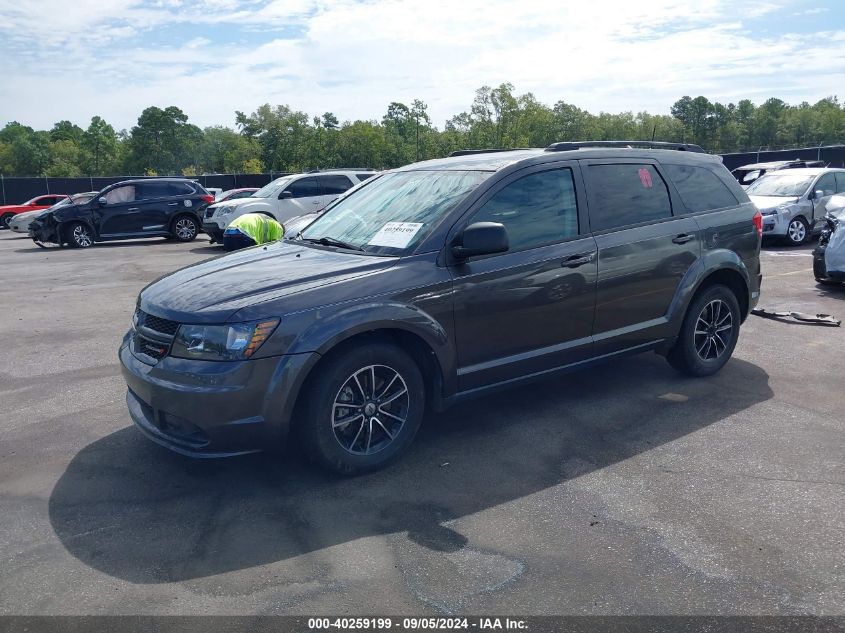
(370, 410)
(797, 231)
(185, 229)
(82, 236)
(713, 330)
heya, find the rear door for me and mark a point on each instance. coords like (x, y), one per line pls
(530, 309)
(643, 250)
(155, 203)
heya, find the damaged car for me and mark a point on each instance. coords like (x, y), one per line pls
(131, 209)
(829, 255)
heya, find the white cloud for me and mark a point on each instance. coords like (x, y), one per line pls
(212, 57)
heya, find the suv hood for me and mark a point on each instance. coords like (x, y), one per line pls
(770, 202)
(212, 291)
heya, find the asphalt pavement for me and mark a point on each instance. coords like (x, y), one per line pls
(623, 489)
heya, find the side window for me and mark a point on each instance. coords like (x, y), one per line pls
(363, 177)
(840, 182)
(304, 188)
(148, 190)
(335, 184)
(626, 194)
(826, 183)
(179, 189)
(536, 210)
(700, 188)
(121, 194)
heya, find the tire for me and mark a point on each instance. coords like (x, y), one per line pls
(797, 232)
(702, 348)
(5, 219)
(185, 228)
(341, 438)
(79, 235)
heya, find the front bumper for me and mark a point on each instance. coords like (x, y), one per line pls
(213, 230)
(775, 224)
(212, 409)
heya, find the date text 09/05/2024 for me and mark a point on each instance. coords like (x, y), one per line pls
(414, 624)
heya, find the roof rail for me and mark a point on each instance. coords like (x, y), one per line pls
(491, 150)
(317, 171)
(566, 146)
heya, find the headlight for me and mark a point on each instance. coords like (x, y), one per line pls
(238, 341)
(784, 208)
(225, 210)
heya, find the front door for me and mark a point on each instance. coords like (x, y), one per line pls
(827, 185)
(530, 309)
(305, 198)
(121, 214)
(643, 251)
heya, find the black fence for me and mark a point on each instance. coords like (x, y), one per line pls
(16, 190)
(833, 155)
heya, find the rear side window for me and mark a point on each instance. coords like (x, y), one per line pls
(147, 190)
(304, 188)
(626, 194)
(179, 189)
(537, 209)
(335, 184)
(363, 177)
(840, 182)
(700, 189)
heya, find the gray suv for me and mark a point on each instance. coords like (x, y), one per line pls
(441, 281)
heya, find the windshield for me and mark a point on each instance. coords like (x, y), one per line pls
(392, 214)
(273, 189)
(783, 185)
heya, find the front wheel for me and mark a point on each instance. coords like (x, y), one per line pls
(185, 229)
(79, 235)
(5, 219)
(362, 409)
(709, 333)
(797, 232)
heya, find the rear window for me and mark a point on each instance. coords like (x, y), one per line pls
(700, 189)
(180, 189)
(626, 194)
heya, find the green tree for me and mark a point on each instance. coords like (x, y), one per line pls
(100, 148)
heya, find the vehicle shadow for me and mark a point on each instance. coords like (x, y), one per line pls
(211, 249)
(150, 241)
(836, 291)
(135, 511)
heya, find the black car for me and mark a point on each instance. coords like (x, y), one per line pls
(153, 207)
(442, 281)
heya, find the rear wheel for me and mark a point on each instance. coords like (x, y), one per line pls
(185, 228)
(5, 219)
(709, 333)
(79, 235)
(362, 409)
(797, 232)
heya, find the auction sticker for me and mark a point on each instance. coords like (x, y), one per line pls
(395, 234)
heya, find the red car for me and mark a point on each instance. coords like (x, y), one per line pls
(39, 202)
(234, 194)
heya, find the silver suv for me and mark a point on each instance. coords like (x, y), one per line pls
(793, 201)
(285, 198)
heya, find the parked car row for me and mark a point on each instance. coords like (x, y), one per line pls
(38, 203)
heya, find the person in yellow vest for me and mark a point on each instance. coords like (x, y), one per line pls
(251, 229)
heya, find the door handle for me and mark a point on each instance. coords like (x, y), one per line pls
(578, 260)
(683, 238)
(173, 204)
(132, 209)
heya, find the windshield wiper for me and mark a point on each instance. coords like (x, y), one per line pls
(330, 241)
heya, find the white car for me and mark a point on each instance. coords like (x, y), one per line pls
(285, 198)
(20, 223)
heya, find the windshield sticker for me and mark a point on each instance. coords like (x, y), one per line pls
(645, 178)
(395, 234)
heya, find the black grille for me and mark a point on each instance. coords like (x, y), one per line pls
(157, 324)
(150, 348)
(209, 213)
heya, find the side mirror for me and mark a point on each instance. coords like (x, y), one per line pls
(818, 194)
(285, 195)
(481, 238)
(102, 201)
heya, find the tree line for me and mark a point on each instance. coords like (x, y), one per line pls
(277, 138)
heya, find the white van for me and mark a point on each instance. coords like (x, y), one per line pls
(284, 198)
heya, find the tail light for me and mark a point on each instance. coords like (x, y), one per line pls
(758, 223)
(208, 198)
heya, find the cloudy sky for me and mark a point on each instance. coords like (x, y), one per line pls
(73, 59)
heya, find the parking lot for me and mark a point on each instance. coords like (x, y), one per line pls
(623, 489)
